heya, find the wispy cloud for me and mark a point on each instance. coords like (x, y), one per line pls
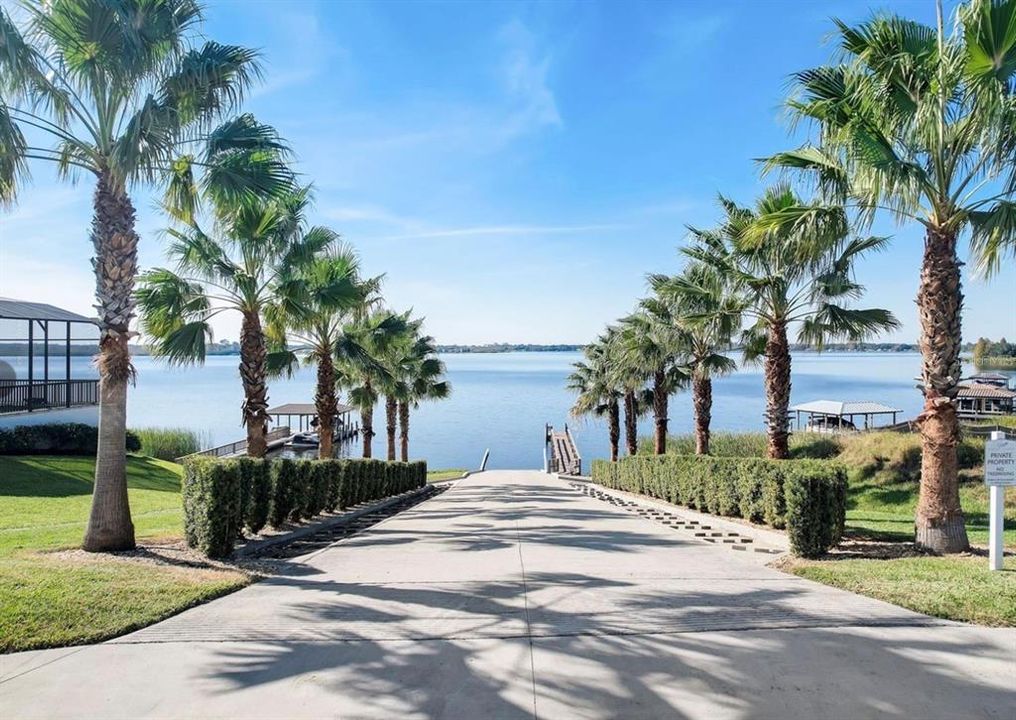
(505, 230)
(308, 52)
(366, 213)
(525, 68)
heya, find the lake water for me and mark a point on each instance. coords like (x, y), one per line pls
(502, 401)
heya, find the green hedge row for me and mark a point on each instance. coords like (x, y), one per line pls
(56, 439)
(222, 497)
(807, 497)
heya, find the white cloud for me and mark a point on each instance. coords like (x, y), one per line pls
(525, 71)
(510, 230)
(303, 52)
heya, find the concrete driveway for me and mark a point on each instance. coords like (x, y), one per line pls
(514, 596)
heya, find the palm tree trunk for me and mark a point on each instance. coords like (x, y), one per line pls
(777, 382)
(116, 249)
(702, 401)
(939, 519)
(391, 415)
(254, 374)
(367, 422)
(613, 428)
(326, 405)
(631, 430)
(660, 412)
(404, 426)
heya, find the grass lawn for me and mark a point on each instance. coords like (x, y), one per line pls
(53, 599)
(439, 475)
(885, 511)
(953, 587)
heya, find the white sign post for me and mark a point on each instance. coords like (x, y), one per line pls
(999, 471)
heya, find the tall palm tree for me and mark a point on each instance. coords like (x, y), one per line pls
(630, 377)
(651, 350)
(423, 378)
(706, 313)
(365, 375)
(923, 124)
(398, 360)
(126, 91)
(258, 246)
(793, 262)
(307, 319)
(596, 393)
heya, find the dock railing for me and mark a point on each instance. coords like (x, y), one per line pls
(235, 448)
(18, 396)
(564, 452)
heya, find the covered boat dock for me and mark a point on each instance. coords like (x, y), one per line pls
(306, 418)
(838, 415)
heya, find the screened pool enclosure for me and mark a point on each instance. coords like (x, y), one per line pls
(45, 358)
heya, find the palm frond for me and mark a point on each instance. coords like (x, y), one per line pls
(282, 363)
(13, 163)
(993, 236)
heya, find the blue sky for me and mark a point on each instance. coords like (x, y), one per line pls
(516, 169)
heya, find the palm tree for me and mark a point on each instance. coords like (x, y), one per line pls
(422, 379)
(596, 394)
(630, 377)
(792, 261)
(259, 246)
(308, 318)
(923, 124)
(126, 94)
(365, 374)
(707, 314)
(650, 349)
(397, 360)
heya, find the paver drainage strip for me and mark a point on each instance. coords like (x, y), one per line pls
(733, 540)
(331, 535)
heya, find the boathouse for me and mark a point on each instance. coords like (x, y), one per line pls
(841, 416)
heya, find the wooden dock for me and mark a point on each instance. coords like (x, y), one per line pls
(563, 453)
(276, 439)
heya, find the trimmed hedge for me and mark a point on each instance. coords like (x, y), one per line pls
(221, 497)
(287, 487)
(56, 439)
(211, 505)
(808, 497)
(255, 492)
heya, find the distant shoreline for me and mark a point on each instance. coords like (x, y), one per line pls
(57, 350)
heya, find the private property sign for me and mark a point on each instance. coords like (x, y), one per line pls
(1000, 462)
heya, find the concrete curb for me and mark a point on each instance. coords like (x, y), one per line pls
(764, 537)
(254, 547)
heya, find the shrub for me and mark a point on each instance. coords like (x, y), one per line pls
(285, 491)
(336, 479)
(255, 492)
(167, 443)
(315, 486)
(57, 439)
(816, 496)
(211, 501)
(350, 482)
(808, 497)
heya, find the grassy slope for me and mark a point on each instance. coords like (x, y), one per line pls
(954, 587)
(52, 600)
(439, 475)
